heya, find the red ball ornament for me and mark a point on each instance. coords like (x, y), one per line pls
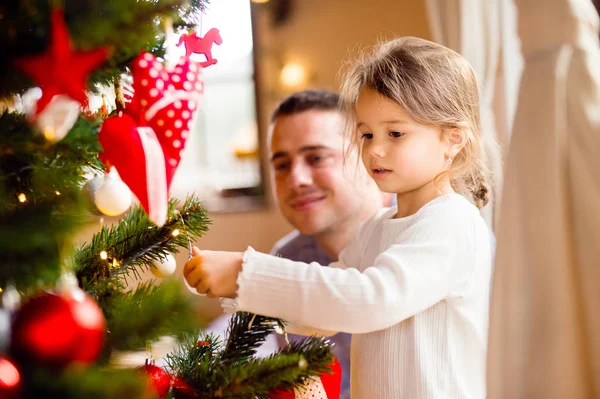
(59, 329)
(10, 379)
(91, 323)
(160, 380)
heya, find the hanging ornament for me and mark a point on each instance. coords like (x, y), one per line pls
(164, 267)
(112, 197)
(57, 118)
(167, 100)
(60, 71)
(60, 329)
(155, 125)
(11, 299)
(10, 379)
(326, 386)
(181, 386)
(201, 45)
(5, 321)
(104, 107)
(160, 381)
(89, 189)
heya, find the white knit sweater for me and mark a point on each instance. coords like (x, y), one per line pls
(413, 292)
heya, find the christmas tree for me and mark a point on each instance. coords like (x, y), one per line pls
(67, 308)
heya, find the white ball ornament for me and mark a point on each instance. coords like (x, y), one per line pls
(113, 198)
(5, 321)
(90, 188)
(164, 267)
(57, 119)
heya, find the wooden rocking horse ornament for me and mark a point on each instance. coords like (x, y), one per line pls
(201, 45)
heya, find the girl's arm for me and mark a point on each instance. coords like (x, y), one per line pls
(404, 280)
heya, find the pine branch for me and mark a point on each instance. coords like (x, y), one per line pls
(245, 334)
(233, 373)
(287, 369)
(317, 353)
(40, 197)
(136, 242)
(149, 312)
(195, 357)
(33, 239)
(126, 26)
(38, 168)
(91, 383)
(259, 377)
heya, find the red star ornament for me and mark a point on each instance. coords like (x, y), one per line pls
(60, 70)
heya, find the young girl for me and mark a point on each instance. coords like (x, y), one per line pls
(413, 285)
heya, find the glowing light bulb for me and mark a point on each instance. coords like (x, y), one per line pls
(49, 134)
(175, 233)
(22, 197)
(293, 74)
(103, 255)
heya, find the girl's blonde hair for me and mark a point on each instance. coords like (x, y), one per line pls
(435, 86)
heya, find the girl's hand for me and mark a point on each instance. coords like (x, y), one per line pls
(214, 273)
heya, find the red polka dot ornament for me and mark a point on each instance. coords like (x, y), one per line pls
(146, 142)
(326, 386)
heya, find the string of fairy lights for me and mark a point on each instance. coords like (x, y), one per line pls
(114, 264)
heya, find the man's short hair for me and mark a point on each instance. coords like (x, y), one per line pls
(307, 100)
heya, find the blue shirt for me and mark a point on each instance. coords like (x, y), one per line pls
(301, 248)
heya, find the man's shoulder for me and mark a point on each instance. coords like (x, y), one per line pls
(299, 247)
(290, 240)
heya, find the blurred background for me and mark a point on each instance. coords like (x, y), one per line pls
(274, 47)
(270, 49)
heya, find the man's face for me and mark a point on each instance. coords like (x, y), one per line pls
(309, 182)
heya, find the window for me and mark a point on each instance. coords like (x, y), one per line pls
(221, 162)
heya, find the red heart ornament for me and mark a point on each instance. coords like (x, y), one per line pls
(145, 144)
(137, 155)
(167, 99)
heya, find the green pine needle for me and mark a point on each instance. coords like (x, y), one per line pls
(148, 313)
(136, 242)
(125, 26)
(245, 334)
(232, 371)
(88, 383)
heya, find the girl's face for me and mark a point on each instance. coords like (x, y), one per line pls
(400, 154)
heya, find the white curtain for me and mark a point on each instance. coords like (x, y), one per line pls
(484, 32)
(545, 317)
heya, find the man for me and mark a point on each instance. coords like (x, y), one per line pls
(324, 198)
